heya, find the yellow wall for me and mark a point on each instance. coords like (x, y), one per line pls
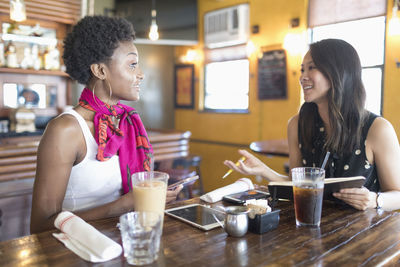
(391, 97)
(217, 137)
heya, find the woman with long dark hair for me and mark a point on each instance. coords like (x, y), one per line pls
(333, 118)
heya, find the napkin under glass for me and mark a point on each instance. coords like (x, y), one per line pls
(85, 240)
(241, 185)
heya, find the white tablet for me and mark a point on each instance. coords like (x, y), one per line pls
(197, 215)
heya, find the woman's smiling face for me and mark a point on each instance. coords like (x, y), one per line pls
(315, 85)
(125, 74)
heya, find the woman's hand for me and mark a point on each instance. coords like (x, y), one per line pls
(172, 194)
(359, 198)
(251, 166)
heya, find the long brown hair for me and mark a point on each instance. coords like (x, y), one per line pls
(338, 61)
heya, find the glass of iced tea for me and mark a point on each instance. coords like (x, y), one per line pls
(149, 191)
(308, 191)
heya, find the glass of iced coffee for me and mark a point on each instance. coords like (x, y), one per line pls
(149, 191)
(308, 191)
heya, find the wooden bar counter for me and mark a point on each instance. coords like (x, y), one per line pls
(18, 154)
(346, 237)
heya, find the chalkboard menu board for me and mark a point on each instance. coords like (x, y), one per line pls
(272, 75)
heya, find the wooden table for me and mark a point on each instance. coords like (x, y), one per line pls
(278, 147)
(346, 237)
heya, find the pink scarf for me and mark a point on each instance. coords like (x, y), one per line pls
(129, 139)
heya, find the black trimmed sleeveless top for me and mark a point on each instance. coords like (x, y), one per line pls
(347, 165)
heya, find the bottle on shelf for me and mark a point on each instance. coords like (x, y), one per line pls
(46, 59)
(52, 58)
(11, 56)
(27, 61)
(36, 60)
(55, 55)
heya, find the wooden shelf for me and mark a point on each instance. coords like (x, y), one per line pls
(31, 71)
(29, 39)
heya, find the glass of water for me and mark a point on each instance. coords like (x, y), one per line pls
(141, 233)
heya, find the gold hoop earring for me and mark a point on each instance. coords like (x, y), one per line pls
(94, 88)
(109, 88)
(94, 97)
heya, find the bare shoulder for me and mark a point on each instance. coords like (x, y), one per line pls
(380, 130)
(382, 137)
(62, 132)
(63, 125)
(293, 123)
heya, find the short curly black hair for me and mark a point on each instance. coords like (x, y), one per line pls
(93, 40)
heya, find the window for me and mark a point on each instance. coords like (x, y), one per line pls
(367, 36)
(227, 86)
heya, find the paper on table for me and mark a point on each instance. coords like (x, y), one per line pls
(241, 185)
(85, 240)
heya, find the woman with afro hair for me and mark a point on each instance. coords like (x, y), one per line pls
(87, 154)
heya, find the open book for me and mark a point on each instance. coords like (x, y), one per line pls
(284, 189)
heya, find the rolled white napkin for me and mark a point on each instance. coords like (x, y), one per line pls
(241, 185)
(85, 240)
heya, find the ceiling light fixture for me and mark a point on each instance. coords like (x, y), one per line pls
(17, 10)
(153, 34)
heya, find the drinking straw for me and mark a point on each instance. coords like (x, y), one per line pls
(325, 160)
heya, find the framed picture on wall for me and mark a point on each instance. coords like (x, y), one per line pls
(272, 74)
(184, 86)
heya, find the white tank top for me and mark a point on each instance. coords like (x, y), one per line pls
(92, 183)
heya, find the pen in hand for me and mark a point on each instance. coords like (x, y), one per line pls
(237, 164)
